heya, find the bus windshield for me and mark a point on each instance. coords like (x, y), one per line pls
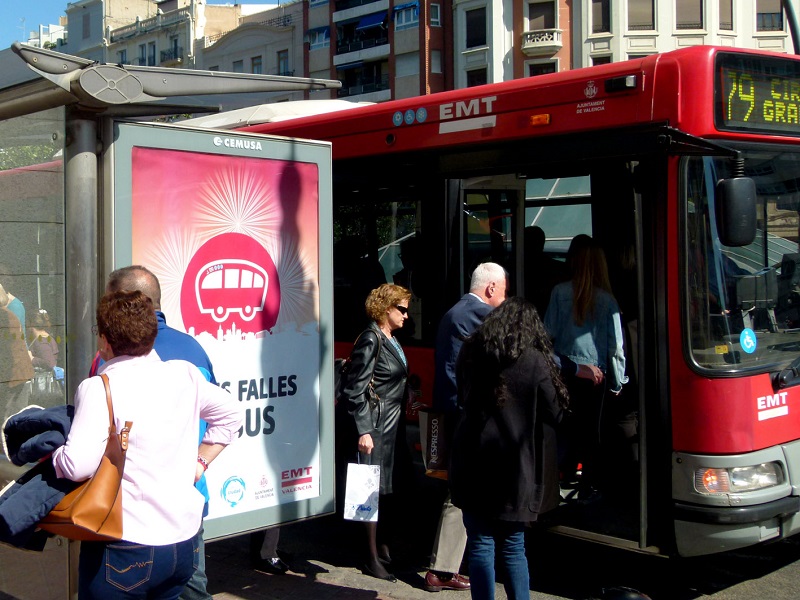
(744, 302)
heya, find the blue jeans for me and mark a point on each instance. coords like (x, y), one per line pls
(196, 588)
(125, 570)
(483, 536)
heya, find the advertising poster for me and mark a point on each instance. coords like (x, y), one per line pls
(234, 241)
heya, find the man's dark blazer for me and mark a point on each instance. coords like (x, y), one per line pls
(456, 325)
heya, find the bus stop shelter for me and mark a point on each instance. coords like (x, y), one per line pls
(56, 125)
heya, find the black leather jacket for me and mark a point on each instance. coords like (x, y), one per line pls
(390, 384)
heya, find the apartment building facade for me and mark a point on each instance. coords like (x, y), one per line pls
(617, 30)
(267, 42)
(388, 49)
(160, 33)
(90, 21)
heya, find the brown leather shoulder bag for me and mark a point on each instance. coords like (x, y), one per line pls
(93, 510)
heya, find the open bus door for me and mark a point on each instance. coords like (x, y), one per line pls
(456, 223)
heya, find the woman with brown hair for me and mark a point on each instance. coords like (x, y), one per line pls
(161, 508)
(584, 321)
(377, 360)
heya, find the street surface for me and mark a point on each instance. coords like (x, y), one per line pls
(324, 557)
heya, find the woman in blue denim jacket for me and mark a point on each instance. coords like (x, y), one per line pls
(583, 318)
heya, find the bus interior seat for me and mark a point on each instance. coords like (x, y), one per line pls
(790, 273)
(758, 293)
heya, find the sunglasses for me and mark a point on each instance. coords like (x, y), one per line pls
(402, 309)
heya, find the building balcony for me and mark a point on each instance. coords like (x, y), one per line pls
(281, 21)
(142, 26)
(340, 5)
(356, 46)
(540, 42)
(173, 56)
(363, 85)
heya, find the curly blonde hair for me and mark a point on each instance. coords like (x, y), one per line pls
(382, 298)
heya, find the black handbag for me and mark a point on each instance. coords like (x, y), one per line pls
(341, 370)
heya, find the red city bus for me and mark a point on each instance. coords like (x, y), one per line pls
(685, 167)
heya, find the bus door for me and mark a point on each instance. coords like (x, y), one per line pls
(612, 202)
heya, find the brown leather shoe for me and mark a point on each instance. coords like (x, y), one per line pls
(435, 582)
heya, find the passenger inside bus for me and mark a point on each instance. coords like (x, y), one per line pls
(542, 272)
(584, 321)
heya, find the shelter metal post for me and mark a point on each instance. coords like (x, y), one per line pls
(81, 223)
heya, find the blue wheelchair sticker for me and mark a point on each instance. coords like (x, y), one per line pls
(748, 340)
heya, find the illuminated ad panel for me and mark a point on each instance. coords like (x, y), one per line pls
(231, 226)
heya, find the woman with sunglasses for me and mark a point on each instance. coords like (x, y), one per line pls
(377, 360)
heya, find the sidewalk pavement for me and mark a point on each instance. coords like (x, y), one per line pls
(323, 558)
(325, 554)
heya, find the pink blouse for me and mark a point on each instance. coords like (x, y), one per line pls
(165, 401)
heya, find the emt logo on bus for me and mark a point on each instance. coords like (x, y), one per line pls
(231, 284)
(466, 115)
(773, 406)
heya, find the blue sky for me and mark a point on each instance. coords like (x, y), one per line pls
(19, 17)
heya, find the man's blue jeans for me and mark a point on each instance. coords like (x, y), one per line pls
(124, 570)
(485, 537)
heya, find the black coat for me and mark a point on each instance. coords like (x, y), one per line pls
(504, 459)
(390, 384)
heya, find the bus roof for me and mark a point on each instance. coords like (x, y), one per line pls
(271, 113)
(662, 89)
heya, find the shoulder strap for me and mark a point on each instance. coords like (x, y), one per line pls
(112, 425)
(377, 355)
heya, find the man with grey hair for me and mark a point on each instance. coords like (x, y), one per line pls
(487, 290)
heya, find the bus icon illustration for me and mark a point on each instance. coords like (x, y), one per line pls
(228, 286)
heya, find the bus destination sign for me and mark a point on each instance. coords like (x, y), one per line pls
(758, 93)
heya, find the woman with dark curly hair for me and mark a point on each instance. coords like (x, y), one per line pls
(161, 508)
(378, 360)
(503, 470)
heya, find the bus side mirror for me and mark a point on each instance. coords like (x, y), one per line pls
(736, 211)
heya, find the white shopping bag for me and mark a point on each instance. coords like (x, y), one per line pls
(361, 492)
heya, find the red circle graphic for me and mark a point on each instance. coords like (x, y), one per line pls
(230, 283)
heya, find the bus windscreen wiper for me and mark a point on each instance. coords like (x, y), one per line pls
(788, 377)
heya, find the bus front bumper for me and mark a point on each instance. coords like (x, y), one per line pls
(701, 530)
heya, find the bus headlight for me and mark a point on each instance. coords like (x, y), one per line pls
(738, 479)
